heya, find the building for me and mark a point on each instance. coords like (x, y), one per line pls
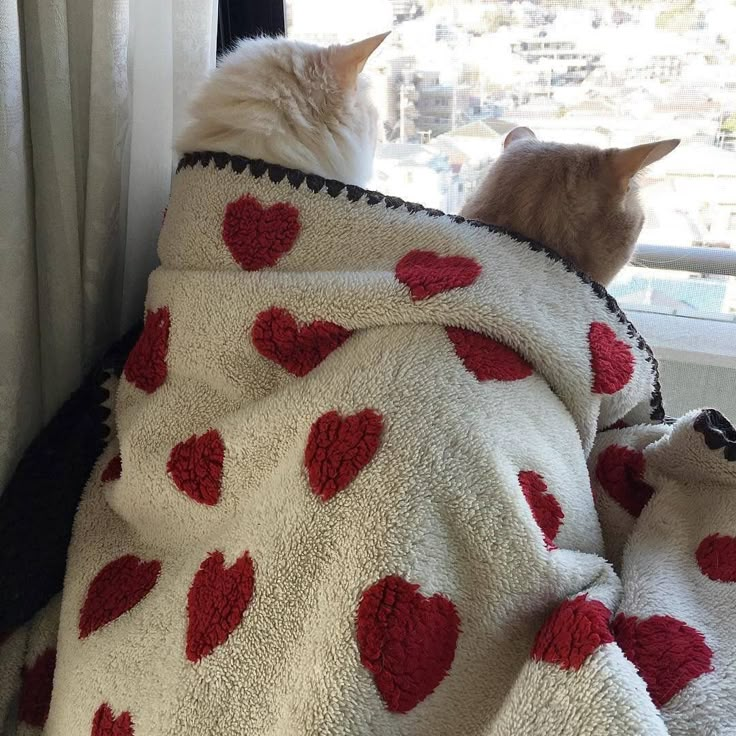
(703, 181)
(440, 107)
(418, 173)
(560, 62)
(405, 9)
(473, 144)
(401, 96)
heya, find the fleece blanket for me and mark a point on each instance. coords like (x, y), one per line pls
(378, 470)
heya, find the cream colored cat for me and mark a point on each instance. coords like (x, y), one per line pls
(580, 201)
(290, 103)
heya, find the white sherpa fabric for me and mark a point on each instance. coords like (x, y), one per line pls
(676, 617)
(348, 493)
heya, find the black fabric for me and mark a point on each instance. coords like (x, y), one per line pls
(276, 173)
(717, 432)
(238, 19)
(38, 505)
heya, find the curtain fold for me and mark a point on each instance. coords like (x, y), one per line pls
(92, 93)
(20, 363)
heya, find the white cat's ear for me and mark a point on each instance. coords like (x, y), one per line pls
(628, 161)
(518, 134)
(349, 61)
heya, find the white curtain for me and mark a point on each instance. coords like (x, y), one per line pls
(92, 94)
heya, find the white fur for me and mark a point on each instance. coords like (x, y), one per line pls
(280, 100)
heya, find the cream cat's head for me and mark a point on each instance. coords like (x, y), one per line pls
(581, 201)
(290, 103)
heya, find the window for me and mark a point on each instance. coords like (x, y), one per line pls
(456, 75)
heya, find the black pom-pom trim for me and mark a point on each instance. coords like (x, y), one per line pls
(717, 432)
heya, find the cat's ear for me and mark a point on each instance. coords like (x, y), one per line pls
(348, 61)
(628, 161)
(518, 134)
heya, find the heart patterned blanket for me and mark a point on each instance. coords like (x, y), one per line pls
(377, 470)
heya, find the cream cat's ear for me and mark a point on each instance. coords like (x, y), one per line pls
(628, 161)
(349, 61)
(518, 134)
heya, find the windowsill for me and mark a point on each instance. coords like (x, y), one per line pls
(688, 339)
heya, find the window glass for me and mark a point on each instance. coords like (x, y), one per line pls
(456, 75)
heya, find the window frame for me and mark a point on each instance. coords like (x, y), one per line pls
(687, 339)
(697, 259)
(246, 18)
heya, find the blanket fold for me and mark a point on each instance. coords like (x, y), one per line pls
(348, 490)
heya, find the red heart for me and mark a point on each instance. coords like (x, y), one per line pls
(112, 470)
(668, 653)
(299, 350)
(611, 359)
(488, 359)
(618, 424)
(620, 471)
(427, 274)
(217, 600)
(406, 640)
(37, 683)
(338, 448)
(195, 466)
(105, 724)
(716, 556)
(258, 236)
(546, 509)
(146, 365)
(118, 587)
(572, 633)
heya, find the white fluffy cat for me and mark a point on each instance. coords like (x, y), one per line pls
(290, 103)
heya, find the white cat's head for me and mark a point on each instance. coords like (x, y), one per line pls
(290, 103)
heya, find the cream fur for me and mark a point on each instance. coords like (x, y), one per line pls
(282, 101)
(582, 201)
